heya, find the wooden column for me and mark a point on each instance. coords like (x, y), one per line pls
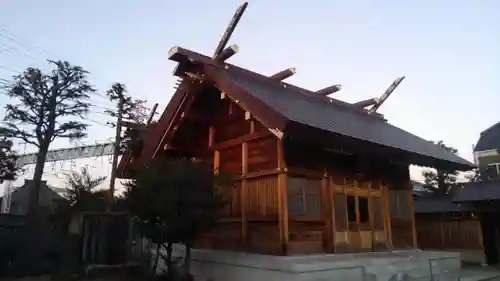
(243, 194)
(387, 215)
(412, 216)
(282, 199)
(331, 193)
(244, 187)
(216, 165)
(441, 228)
(327, 196)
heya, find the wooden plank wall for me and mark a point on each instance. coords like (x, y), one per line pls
(241, 146)
(446, 232)
(402, 218)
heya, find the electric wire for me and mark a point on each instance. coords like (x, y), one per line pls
(21, 46)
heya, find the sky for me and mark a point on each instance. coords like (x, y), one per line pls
(449, 52)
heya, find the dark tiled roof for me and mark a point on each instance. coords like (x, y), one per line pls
(438, 205)
(478, 191)
(298, 107)
(419, 190)
(489, 139)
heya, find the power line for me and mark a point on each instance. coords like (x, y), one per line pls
(24, 42)
(10, 69)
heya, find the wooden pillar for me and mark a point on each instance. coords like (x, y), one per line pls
(331, 193)
(387, 216)
(243, 194)
(282, 199)
(441, 227)
(412, 216)
(326, 194)
(216, 165)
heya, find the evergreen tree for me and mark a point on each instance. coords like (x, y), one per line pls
(175, 200)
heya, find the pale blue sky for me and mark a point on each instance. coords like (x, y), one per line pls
(448, 50)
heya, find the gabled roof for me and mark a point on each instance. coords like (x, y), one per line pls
(281, 106)
(294, 111)
(335, 118)
(489, 139)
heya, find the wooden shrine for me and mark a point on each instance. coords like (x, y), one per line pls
(314, 174)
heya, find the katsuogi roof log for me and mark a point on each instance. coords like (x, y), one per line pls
(329, 90)
(284, 74)
(365, 103)
(227, 53)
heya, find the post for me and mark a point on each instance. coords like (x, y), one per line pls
(116, 152)
(282, 199)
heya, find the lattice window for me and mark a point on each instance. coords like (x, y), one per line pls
(340, 211)
(304, 198)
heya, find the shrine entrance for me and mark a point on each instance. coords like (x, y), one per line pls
(359, 218)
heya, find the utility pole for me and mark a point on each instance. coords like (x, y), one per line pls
(116, 151)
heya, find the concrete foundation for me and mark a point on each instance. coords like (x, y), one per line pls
(382, 266)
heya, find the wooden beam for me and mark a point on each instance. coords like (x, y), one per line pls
(329, 90)
(277, 133)
(216, 161)
(211, 135)
(227, 53)
(365, 103)
(241, 139)
(284, 74)
(230, 29)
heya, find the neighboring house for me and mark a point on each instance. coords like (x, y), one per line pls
(20, 197)
(487, 152)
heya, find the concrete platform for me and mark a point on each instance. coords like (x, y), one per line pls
(383, 266)
(480, 274)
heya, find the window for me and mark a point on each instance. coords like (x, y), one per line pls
(492, 172)
(340, 211)
(362, 209)
(351, 209)
(364, 214)
(304, 198)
